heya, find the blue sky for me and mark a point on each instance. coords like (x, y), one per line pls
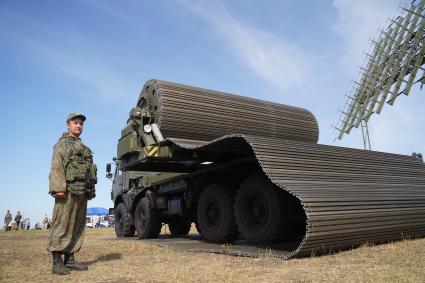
(93, 57)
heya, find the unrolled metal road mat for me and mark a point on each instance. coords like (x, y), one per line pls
(349, 196)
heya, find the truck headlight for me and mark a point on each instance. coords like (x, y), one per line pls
(147, 128)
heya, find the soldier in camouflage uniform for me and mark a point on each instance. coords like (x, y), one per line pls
(18, 219)
(7, 220)
(71, 182)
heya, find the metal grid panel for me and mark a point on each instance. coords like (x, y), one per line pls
(397, 56)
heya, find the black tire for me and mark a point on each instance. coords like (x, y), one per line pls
(179, 226)
(123, 225)
(260, 213)
(147, 219)
(215, 215)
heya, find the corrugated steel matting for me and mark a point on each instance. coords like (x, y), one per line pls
(188, 112)
(350, 196)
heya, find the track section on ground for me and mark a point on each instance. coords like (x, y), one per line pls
(349, 196)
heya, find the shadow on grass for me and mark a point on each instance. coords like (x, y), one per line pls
(107, 257)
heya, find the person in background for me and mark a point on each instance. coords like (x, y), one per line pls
(45, 221)
(8, 221)
(18, 218)
(26, 224)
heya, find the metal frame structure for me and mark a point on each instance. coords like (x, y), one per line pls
(391, 70)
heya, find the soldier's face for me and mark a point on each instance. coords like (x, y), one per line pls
(75, 127)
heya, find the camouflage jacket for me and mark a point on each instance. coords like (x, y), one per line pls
(7, 218)
(68, 153)
(18, 217)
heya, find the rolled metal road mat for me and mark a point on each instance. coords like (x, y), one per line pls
(188, 112)
(349, 196)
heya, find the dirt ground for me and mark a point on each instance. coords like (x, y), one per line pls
(23, 257)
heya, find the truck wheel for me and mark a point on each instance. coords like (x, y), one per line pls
(259, 211)
(215, 214)
(179, 226)
(148, 220)
(123, 226)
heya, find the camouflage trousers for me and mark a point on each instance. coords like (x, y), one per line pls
(68, 223)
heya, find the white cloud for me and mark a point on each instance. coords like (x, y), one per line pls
(100, 79)
(112, 11)
(400, 128)
(357, 22)
(280, 62)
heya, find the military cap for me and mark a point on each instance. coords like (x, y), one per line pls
(74, 115)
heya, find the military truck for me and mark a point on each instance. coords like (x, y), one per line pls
(243, 168)
(144, 201)
(156, 183)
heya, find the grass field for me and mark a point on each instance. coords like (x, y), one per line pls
(23, 257)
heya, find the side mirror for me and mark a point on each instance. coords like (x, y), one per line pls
(108, 171)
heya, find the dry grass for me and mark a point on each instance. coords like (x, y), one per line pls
(23, 257)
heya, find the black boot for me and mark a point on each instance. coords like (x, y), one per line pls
(72, 264)
(58, 266)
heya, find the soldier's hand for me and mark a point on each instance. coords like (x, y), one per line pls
(60, 195)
